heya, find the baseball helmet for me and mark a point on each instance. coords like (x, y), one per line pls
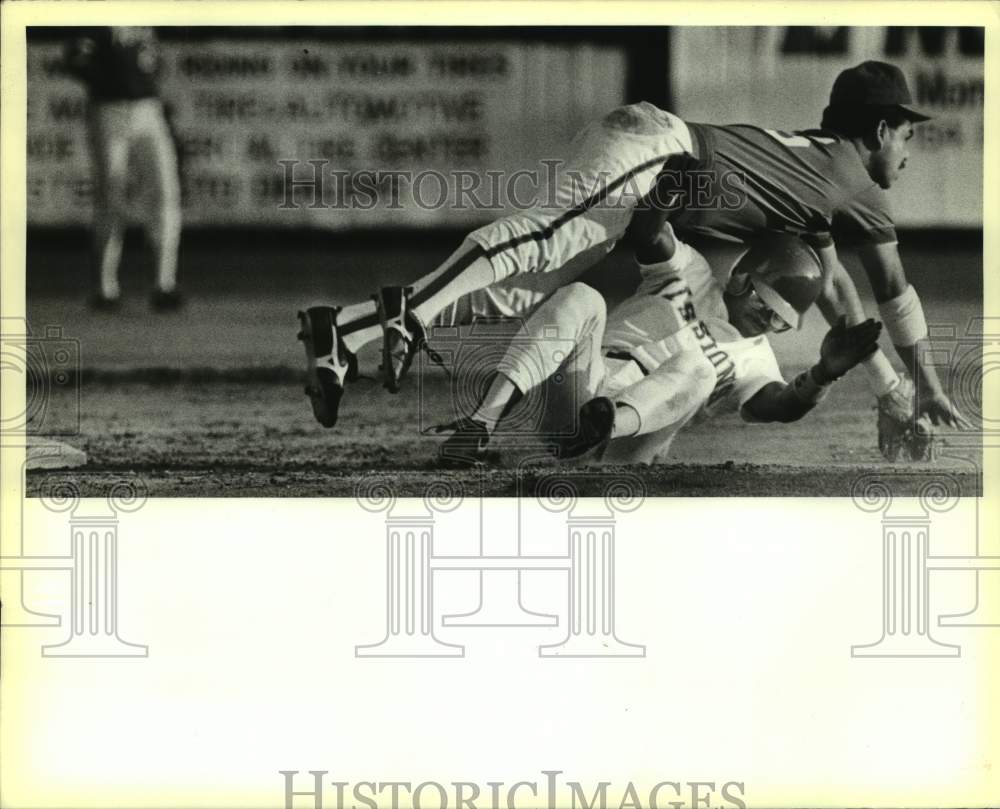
(785, 272)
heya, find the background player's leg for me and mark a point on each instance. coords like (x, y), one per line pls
(108, 137)
(165, 225)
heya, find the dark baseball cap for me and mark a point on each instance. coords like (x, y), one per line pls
(874, 84)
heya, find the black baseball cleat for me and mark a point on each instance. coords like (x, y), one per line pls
(466, 446)
(99, 302)
(402, 334)
(597, 419)
(166, 301)
(329, 365)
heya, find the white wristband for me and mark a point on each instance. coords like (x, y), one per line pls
(882, 377)
(903, 317)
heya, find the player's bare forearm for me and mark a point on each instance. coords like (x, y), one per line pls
(928, 384)
(884, 269)
(839, 295)
(902, 313)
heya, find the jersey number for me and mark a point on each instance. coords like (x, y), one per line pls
(796, 141)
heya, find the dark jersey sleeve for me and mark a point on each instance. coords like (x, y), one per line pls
(79, 53)
(115, 64)
(865, 218)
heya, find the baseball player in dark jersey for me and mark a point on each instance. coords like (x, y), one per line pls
(125, 118)
(824, 185)
(829, 184)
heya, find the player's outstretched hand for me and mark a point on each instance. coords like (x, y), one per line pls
(845, 346)
(901, 435)
(935, 407)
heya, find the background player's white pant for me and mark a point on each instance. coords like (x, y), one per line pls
(137, 129)
(615, 163)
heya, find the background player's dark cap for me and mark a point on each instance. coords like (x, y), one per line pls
(874, 84)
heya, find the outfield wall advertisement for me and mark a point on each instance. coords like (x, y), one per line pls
(380, 124)
(781, 78)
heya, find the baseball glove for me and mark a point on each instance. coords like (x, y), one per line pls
(901, 435)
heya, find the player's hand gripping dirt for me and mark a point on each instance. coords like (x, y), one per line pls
(907, 425)
(937, 408)
(901, 434)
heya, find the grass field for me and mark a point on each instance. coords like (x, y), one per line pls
(209, 402)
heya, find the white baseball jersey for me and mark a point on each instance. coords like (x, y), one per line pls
(743, 366)
(649, 328)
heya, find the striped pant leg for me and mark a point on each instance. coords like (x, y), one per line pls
(591, 198)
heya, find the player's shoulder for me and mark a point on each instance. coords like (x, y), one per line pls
(822, 141)
(641, 118)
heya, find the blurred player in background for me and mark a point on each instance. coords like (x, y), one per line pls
(811, 183)
(653, 366)
(125, 119)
